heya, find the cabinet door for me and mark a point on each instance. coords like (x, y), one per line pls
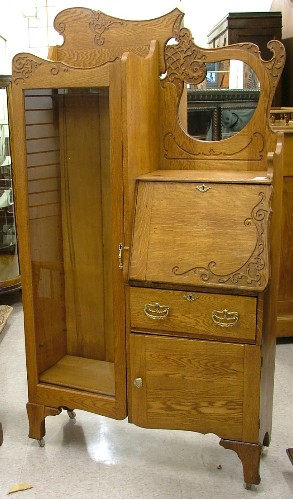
(202, 386)
(69, 180)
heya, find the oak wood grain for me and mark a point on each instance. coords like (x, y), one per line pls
(197, 243)
(82, 373)
(189, 384)
(92, 38)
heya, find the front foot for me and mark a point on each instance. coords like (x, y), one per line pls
(249, 455)
(36, 416)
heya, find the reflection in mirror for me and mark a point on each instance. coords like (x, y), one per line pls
(9, 267)
(223, 103)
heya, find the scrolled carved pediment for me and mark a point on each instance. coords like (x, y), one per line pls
(93, 38)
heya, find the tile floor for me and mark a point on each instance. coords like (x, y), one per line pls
(96, 457)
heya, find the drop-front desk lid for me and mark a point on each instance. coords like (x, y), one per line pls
(199, 229)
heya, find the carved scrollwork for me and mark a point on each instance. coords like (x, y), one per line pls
(101, 23)
(174, 150)
(252, 273)
(23, 68)
(55, 70)
(276, 64)
(184, 62)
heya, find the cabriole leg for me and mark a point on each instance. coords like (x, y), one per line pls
(249, 455)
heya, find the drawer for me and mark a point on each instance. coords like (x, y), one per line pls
(229, 317)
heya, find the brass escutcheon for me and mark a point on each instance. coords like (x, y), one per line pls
(203, 188)
(190, 297)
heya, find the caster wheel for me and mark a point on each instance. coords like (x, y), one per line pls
(41, 443)
(71, 414)
(249, 486)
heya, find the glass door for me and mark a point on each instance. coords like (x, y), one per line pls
(72, 205)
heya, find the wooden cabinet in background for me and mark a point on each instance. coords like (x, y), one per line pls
(150, 258)
(255, 27)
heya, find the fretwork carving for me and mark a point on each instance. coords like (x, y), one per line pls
(185, 62)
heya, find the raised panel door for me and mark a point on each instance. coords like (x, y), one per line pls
(195, 385)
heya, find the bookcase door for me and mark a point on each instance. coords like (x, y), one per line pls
(73, 207)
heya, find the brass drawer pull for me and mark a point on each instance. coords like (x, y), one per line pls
(225, 318)
(156, 311)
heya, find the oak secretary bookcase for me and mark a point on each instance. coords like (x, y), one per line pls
(147, 256)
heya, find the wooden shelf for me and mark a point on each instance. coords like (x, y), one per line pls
(250, 177)
(82, 373)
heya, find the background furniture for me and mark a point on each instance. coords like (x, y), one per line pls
(255, 27)
(205, 110)
(286, 8)
(156, 262)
